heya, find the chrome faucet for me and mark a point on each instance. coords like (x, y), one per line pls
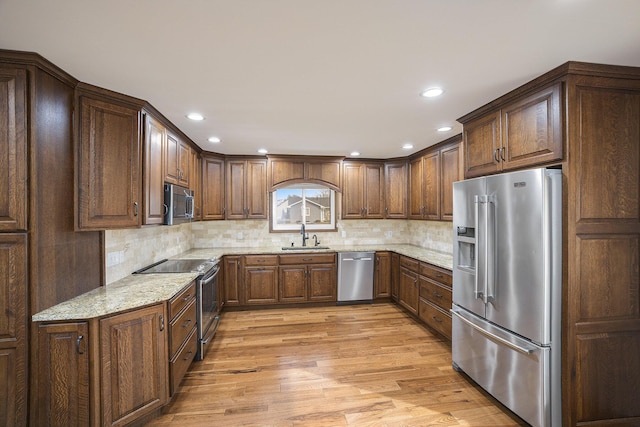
(315, 239)
(305, 236)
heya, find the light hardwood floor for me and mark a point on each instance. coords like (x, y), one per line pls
(360, 365)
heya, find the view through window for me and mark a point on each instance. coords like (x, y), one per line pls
(313, 206)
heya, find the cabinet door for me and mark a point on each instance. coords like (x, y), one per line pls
(213, 187)
(353, 190)
(133, 364)
(13, 327)
(532, 130)
(184, 161)
(482, 144)
(236, 171)
(108, 160)
(293, 283)
(232, 279)
(408, 292)
(324, 172)
(261, 285)
(322, 279)
(13, 149)
(416, 192)
(283, 171)
(382, 275)
(395, 189)
(373, 191)
(195, 182)
(395, 275)
(431, 180)
(155, 137)
(451, 171)
(63, 375)
(256, 189)
(172, 159)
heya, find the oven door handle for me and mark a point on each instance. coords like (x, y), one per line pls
(212, 330)
(212, 277)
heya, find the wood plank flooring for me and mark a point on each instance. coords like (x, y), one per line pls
(360, 365)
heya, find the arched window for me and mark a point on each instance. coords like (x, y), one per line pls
(308, 204)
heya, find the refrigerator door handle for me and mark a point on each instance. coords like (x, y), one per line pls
(490, 250)
(479, 270)
(493, 337)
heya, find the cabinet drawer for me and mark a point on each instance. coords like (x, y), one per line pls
(435, 318)
(261, 260)
(435, 273)
(181, 300)
(181, 362)
(435, 293)
(308, 259)
(410, 264)
(181, 326)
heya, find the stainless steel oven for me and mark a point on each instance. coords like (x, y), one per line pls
(207, 292)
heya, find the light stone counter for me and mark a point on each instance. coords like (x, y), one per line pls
(136, 290)
(440, 259)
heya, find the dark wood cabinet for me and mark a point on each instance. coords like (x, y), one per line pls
(177, 160)
(431, 178)
(395, 275)
(108, 161)
(382, 275)
(155, 137)
(133, 364)
(260, 279)
(523, 133)
(395, 189)
(289, 170)
(63, 370)
(308, 278)
(363, 190)
(408, 290)
(213, 188)
(13, 149)
(435, 298)
(232, 280)
(195, 183)
(246, 192)
(182, 335)
(13, 333)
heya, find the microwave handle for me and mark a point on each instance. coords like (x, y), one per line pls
(190, 204)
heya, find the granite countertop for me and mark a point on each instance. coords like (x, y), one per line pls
(138, 290)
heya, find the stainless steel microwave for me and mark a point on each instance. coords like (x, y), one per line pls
(178, 204)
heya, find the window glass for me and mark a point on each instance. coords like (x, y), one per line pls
(313, 206)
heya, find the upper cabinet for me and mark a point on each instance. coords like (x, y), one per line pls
(363, 190)
(287, 170)
(155, 137)
(195, 182)
(395, 189)
(246, 184)
(431, 178)
(213, 186)
(13, 149)
(523, 133)
(177, 160)
(108, 151)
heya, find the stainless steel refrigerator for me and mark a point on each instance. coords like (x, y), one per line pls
(507, 281)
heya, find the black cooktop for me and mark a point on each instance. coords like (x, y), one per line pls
(178, 266)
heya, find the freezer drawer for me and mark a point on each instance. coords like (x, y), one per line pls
(513, 370)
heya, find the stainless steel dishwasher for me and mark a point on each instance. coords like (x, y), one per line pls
(355, 276)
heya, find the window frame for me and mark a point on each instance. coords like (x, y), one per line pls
(274, 227)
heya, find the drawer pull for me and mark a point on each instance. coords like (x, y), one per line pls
(307, 259)
(437, 295)
(437, 319)
(187, 357)
(261, 260)
(439, 275)
(186, 323)
(80, 337)
(187, 297)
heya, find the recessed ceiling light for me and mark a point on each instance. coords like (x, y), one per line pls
(407, 146)
(432, 92)
(355, 154)
(263, 151)
(195, 116)
(445, 129)
(214, 139)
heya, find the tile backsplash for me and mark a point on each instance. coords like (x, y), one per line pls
(130, 250)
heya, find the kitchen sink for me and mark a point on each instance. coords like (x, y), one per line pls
(303, 248)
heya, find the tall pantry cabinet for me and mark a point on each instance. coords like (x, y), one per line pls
(43, 261)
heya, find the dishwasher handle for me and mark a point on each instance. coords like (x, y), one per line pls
(357, 259)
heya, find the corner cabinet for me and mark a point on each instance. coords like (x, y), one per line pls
(523, 133)
(108, 152)
(246, 183)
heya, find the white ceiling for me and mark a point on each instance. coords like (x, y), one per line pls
(319, 77)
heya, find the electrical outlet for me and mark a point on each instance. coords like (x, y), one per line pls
(240, 235)
(389, 234)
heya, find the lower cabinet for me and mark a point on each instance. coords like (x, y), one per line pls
(408, 291)
(382, 275)
(183, 340)
(109, 371)
(232, 280)
(261, 279)
(395, 275)
(308, 278)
